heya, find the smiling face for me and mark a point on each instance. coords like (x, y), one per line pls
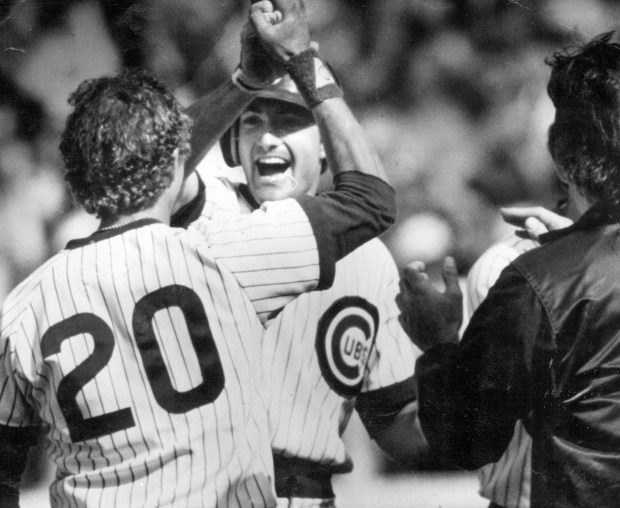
(280, 150)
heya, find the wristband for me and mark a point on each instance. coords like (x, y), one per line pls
(315, 80)
(245, 84)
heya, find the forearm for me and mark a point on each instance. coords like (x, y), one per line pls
(443, 407)
(346, 146)
(213, 114)
(389, 415)
(471, 394)
(403, 440)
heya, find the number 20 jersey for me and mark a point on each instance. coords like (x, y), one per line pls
(138, 351)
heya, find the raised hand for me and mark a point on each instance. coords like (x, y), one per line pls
(259, 67)
(282, 26)
(535, 220)
(428, 316)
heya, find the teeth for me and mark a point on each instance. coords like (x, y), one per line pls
(271, 165)
(272, 160)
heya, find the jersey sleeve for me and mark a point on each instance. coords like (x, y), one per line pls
(359, 209)
(389, 383)
(272, 252)
(288, 247)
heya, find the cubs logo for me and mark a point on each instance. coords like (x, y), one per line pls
(345, 337)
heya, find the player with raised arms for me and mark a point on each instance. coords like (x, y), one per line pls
(136, 347)
(328, 351)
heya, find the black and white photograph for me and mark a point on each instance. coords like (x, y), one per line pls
(310, 253)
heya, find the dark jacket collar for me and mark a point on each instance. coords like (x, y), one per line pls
(109, 233)
(598, 215)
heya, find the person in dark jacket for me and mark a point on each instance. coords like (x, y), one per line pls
(544, 346)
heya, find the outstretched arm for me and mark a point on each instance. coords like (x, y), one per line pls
(470, 394)
(212, 115)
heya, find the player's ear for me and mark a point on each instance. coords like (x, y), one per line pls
(562, 175)
(322, 158)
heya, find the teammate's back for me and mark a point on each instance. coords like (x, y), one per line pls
(138, 372)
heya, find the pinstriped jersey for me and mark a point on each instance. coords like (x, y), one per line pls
(507, 481)
(327, 347)
(272, 251)
(137, 349)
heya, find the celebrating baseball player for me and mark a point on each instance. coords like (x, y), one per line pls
(138, 347)
(328, 351)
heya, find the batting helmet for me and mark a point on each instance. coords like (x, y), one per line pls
(284, 90)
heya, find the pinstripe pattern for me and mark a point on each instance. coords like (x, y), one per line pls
(307, 415)
(216, 454)
(506, 482)
(272, 251)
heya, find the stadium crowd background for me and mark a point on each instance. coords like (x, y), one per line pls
(451, 92)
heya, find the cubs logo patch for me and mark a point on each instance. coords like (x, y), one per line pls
(345, 336)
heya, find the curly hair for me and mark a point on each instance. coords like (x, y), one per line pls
(118, 144)
(584, 139)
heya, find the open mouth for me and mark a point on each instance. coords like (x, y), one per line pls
(269, 166)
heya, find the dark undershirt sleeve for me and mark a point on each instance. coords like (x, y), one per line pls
(471, 393)
(378, 409)
(360, 208)
(14, 445)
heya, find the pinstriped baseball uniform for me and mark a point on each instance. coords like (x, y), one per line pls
(145, 406)
(327, 347)
(259, 250)
(506, 482)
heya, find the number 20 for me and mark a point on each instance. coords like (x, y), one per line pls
(173, 401)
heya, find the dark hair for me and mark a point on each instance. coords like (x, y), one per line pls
(584, 139)
(118, 143)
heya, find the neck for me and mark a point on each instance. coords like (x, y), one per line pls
(188, 192)
(578, 204)
(156, 212)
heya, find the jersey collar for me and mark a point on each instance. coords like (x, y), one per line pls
(245, 192)
(109, 233)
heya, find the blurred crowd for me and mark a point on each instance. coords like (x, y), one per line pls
(451, 92)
